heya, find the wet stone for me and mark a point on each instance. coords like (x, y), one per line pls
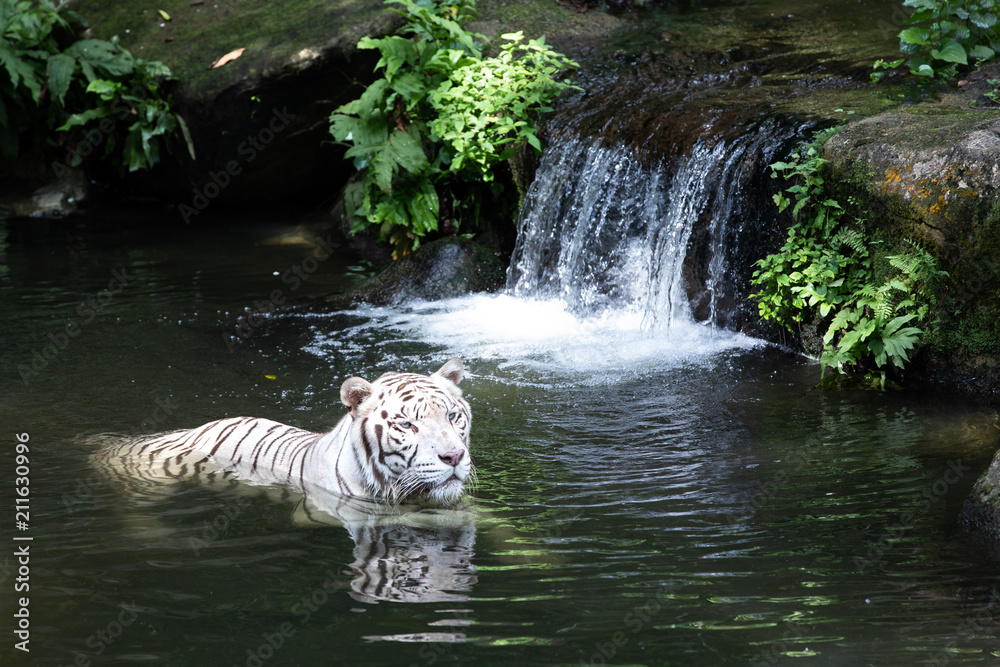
(981, 511)
(441, 269)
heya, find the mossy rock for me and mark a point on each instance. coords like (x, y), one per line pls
(981, 511)
(259, 122)
(931, 173)
(279, 37)
(441, 269)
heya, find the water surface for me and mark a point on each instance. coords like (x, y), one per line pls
(671, 497)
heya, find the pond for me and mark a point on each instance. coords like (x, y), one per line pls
(684, 498)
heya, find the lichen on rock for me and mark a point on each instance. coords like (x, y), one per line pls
(931, 173)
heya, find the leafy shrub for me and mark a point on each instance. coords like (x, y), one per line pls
(941, 35)
(57, 84)
(868, 304)
(439, 119)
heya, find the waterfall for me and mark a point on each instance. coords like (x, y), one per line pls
(620, 262)
(604, 230)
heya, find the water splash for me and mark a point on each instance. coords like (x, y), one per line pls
(602, 229)
(521, 340)
(602, 281)
(601, 232)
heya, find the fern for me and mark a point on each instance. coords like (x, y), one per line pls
(825, 271)
(55, 91)
(852, 238)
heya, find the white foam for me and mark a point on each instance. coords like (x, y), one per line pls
(537, 340)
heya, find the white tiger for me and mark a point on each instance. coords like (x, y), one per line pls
(406, 438)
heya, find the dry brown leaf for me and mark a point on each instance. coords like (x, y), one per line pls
(229, 57)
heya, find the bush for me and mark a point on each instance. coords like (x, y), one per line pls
(58, 86)
(868, 304)
(941, 35)
(427, 133)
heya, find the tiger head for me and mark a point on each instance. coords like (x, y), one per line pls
(411, 434)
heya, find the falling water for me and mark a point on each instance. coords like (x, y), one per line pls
(621, 265)
(602, 230)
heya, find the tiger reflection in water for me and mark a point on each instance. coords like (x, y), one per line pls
(393, 472)
(414, 555)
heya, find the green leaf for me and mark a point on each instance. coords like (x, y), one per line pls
(981, 52)
(60, 70)
(919, 36)
(20, 71)
(951, 52)
(186, 133)
(408, 84)
(97, 54)
(984, 21)
(106, 89)
(83, 118)
(405, 150)
(396, 52)
(896, 323)
(424, 210)
(382, 170)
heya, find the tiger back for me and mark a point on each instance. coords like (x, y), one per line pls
(405, 438)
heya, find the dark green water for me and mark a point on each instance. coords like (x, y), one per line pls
(692, 503)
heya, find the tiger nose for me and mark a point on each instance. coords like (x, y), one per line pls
(452, 458)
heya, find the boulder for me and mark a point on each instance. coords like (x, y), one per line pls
(58, 198)
(932, 170)
(259, 122)
(931, 173)
(442, 269)
(981, 511)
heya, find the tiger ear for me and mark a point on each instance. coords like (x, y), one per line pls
(452, 370)
(353, 393)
